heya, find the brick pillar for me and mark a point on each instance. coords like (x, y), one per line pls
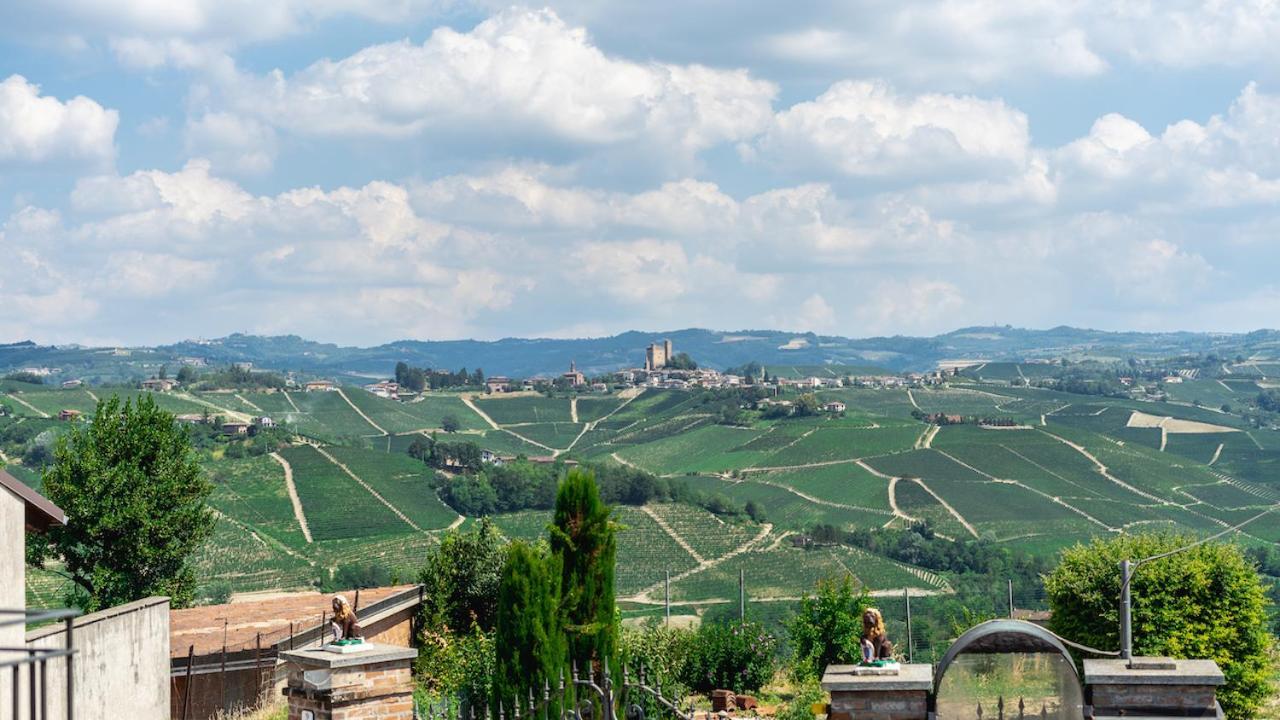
(371, 685)
(858, 694)
(1152, 687)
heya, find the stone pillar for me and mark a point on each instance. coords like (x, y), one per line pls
(1152, 687)
(371, 685)
(858, 696)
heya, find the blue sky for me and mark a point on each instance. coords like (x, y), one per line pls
(360, 171)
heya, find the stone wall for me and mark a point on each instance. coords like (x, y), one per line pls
(122, 667)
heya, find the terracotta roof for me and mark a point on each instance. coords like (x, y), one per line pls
(203, 626)
(40, 512)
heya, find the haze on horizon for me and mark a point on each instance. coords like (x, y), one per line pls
(360, 171)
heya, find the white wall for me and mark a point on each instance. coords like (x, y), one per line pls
(122, 669)
(13, 593)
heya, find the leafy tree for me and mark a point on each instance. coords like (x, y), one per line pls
(527, 636)
(461, 578)
(807, 405)
(187, 375)
(733, 655)
(1207, 602)
(26, 377)
(826, 628)
(584, 541)
(353, 576)
(755, 511)
(450, 423)
(681, 361)
(136, 507)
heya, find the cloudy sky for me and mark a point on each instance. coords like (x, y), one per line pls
(360, 171)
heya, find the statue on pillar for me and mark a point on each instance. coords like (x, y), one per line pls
(875, 641)
(345, 626)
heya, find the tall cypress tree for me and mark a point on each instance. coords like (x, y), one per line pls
(528, 640)
(583, 540)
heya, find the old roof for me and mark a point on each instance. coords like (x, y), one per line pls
(246, 619)
(40, 512)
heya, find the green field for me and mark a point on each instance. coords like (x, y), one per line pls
(336, 506)
(253, 491)
(523, 409)
(425, 413)
(400, 480)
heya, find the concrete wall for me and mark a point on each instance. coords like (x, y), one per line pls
(122, 667)
(12, 583)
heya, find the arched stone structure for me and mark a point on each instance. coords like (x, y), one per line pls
(1010, 637)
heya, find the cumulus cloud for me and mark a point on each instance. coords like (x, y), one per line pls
(521, 73)
(231, 142)
(866, 129)
(37, 128)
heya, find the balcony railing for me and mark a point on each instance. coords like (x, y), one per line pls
(36, 661)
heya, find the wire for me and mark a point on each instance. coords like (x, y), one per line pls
(1201, 541)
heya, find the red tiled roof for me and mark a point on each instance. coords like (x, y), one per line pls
(203, 626)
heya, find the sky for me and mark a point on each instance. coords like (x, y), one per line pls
(361, 171)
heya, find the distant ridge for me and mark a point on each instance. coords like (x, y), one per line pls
(522, 357)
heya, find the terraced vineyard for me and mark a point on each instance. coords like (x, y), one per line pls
(336, 506)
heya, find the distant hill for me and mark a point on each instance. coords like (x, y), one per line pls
(523, 357)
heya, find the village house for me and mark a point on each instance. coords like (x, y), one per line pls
(235, 428)
(159, 385)
(191, 418)
(320, 386)
(497, 384)
(835, 406)
(65, 415)
(385, 389)
(72, 384)
(265, 422)
(1173, 379)
(493, 458)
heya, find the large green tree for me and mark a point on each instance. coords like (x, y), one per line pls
(136, 507)
(528, 640)
(461, 577)
(1207, 602)
(584, 540)
(826, 628)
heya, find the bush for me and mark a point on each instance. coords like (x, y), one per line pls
(800, 707)
(730, 656)
(827, 628)
(664, 653)
(1207, 602)
(456, 667)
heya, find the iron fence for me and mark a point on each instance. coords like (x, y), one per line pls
(35, 662)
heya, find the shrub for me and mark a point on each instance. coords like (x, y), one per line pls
(826, 628)
(457, 667)
(1207, 602)
(664, 653)
(800, 707)
(527, 636)
(734, 656)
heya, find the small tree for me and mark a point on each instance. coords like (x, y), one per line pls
(450, 423)
(135, 502)
(1207, 602)
(826, 628)
(461, 577)
(584, 541)
(527, 636)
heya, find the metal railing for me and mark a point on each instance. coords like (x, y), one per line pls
(36, 661)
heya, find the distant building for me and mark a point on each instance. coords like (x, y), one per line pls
(246, 366)
(320, 386)
(69, 414)
(384, 389)
(191, 418)
(575, 378)
(72, 384)
(235, 428)
(657, 356)
(835, 406)
(1173, 379)
(158, 385)
(493, 458)
(265, 422)
(498, 384)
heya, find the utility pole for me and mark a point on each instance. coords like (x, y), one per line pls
(667, 597)
(906, 600)
(1010, 598)
(742, 595)
(1126, 610)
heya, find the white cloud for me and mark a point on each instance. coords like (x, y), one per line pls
(520, 73)
(237, 144)
(39, 129)
(866, 129)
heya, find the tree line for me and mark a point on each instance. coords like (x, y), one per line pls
(419, 379)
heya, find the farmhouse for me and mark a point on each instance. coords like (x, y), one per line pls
(158, 385)
(384, 389)
(69, 414)
(265, 422)
(72, 384)
(835, 406)
(320, 386)
(190, 418)
(489, 456)
(498, 384)
(235, 428)
(1173, 379)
